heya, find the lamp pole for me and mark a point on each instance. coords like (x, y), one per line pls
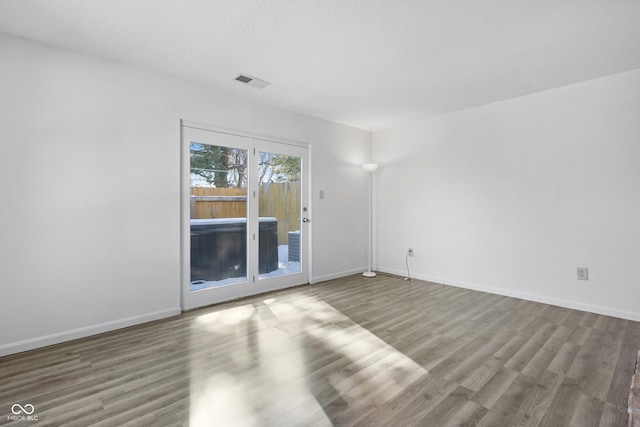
(370, 167)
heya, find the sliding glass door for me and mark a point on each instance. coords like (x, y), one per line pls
(245, 216)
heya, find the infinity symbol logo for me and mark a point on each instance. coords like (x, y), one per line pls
(17, 409)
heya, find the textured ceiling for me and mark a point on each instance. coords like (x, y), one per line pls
(367, 63)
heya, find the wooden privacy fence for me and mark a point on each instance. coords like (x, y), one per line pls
(281, 200)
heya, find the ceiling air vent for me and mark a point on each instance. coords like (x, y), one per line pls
(252, 81)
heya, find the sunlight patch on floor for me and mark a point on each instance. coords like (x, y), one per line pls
(269, 375)
(228, 317)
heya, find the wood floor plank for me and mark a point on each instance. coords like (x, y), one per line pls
(614, 416)
(564, 358)
(495, 387)
(573, 319)
(563, 405)
(534, 406)
(453, 406)
(507, 408)
(409, 408)
(588, 412)
(541, 361)
(579, 335)
(520, 360)
(350, 351)
(469, 365)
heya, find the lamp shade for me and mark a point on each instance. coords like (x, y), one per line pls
(370, 167)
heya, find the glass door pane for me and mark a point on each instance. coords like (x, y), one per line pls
(217, 213)
(279, 208)
(218, 190)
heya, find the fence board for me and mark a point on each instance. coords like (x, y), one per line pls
(281, 200)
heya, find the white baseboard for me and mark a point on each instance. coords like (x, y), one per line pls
(73, 334)
(607, 311)
(324, 278)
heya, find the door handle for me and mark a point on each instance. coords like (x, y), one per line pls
(306, 220)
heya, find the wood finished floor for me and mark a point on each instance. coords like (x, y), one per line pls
(354, 351)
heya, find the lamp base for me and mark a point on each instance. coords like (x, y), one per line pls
(369, 274)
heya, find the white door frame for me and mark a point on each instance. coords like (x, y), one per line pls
(226, 293)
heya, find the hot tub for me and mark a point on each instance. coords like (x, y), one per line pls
(219, 247)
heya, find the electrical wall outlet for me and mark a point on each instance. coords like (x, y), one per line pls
(410, 251)
(583, 273)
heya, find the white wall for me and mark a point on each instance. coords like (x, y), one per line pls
(89, 170)
(512, 197)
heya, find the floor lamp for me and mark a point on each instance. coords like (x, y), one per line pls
(370, 167)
